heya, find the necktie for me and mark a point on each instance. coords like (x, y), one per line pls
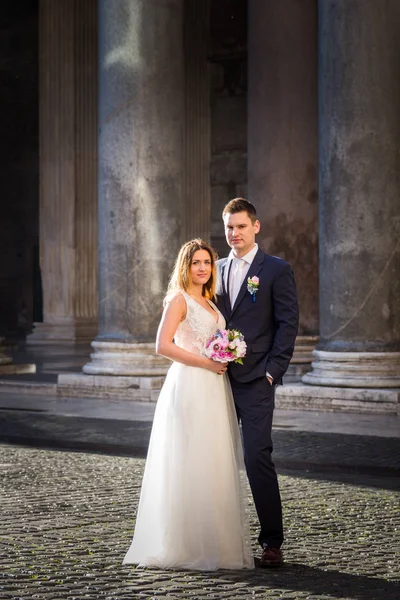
(236, 279)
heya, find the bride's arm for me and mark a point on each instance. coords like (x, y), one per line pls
(174, 313)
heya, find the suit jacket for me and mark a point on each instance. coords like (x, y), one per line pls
(269, 324)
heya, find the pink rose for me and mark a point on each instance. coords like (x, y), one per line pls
(224, 343)
(255, 280)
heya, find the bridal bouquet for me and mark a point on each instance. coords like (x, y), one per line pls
(226, 345)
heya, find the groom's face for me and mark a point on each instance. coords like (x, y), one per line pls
(240, 232)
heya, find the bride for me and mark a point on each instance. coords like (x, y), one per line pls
(191, 510)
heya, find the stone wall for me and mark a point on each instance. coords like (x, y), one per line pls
(19, 167)
(228, 58)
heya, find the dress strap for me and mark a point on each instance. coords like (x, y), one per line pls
(212, 304)
(186, 296)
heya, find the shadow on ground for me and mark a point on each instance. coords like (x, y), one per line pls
(302, 578)
(293, 578)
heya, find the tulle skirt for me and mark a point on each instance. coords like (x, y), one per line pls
(191, 512)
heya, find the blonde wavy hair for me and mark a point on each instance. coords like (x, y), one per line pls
(180, 277)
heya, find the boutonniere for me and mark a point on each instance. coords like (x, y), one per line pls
(252, 286)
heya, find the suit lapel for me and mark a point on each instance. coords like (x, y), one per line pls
(254, 269)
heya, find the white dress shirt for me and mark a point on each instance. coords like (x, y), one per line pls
(237, 275)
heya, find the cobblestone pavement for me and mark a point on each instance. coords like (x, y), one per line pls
(67, 520)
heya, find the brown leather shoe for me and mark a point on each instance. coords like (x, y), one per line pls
(271, 557)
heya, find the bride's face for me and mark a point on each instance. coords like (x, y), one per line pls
(200, 269)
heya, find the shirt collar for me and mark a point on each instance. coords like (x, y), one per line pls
(249, 257)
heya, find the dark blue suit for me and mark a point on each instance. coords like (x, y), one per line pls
(269, 326)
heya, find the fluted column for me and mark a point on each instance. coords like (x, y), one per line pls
(359, 251)
(141, 210)
(197, 144)
(283, 148)
(85, 301)
(68, 165)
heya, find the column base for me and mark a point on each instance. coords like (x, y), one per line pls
(120, 371)
(124, 359)
(63, 331)
(16, 369)
(4, 358)
(355, 369)
(302, 357)
(7, 367)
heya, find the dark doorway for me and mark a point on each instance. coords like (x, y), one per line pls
(19, 168)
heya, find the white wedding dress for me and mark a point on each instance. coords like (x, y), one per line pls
(191, 511)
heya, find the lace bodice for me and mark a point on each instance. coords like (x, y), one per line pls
(198, 326)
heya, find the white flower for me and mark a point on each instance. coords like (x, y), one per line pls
(241, 348)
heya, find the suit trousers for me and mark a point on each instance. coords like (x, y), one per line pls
(255, 406)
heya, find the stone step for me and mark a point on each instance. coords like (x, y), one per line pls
(138, 389)
(37, 384)
(360, 400)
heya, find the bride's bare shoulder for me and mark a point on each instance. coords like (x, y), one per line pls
(175, 306)
(176, 297)
(175, 302)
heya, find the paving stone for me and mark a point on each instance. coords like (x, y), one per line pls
(68, 518)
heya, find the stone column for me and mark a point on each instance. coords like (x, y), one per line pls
(141, 210)
(197, 138)
(359, 136)
(283, 148)
(68, 171)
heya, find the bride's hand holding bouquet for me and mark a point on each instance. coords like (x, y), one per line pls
(226, 345)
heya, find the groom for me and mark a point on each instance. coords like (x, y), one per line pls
(266, 313)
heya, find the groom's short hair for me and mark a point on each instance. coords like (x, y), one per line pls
(240, 205)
